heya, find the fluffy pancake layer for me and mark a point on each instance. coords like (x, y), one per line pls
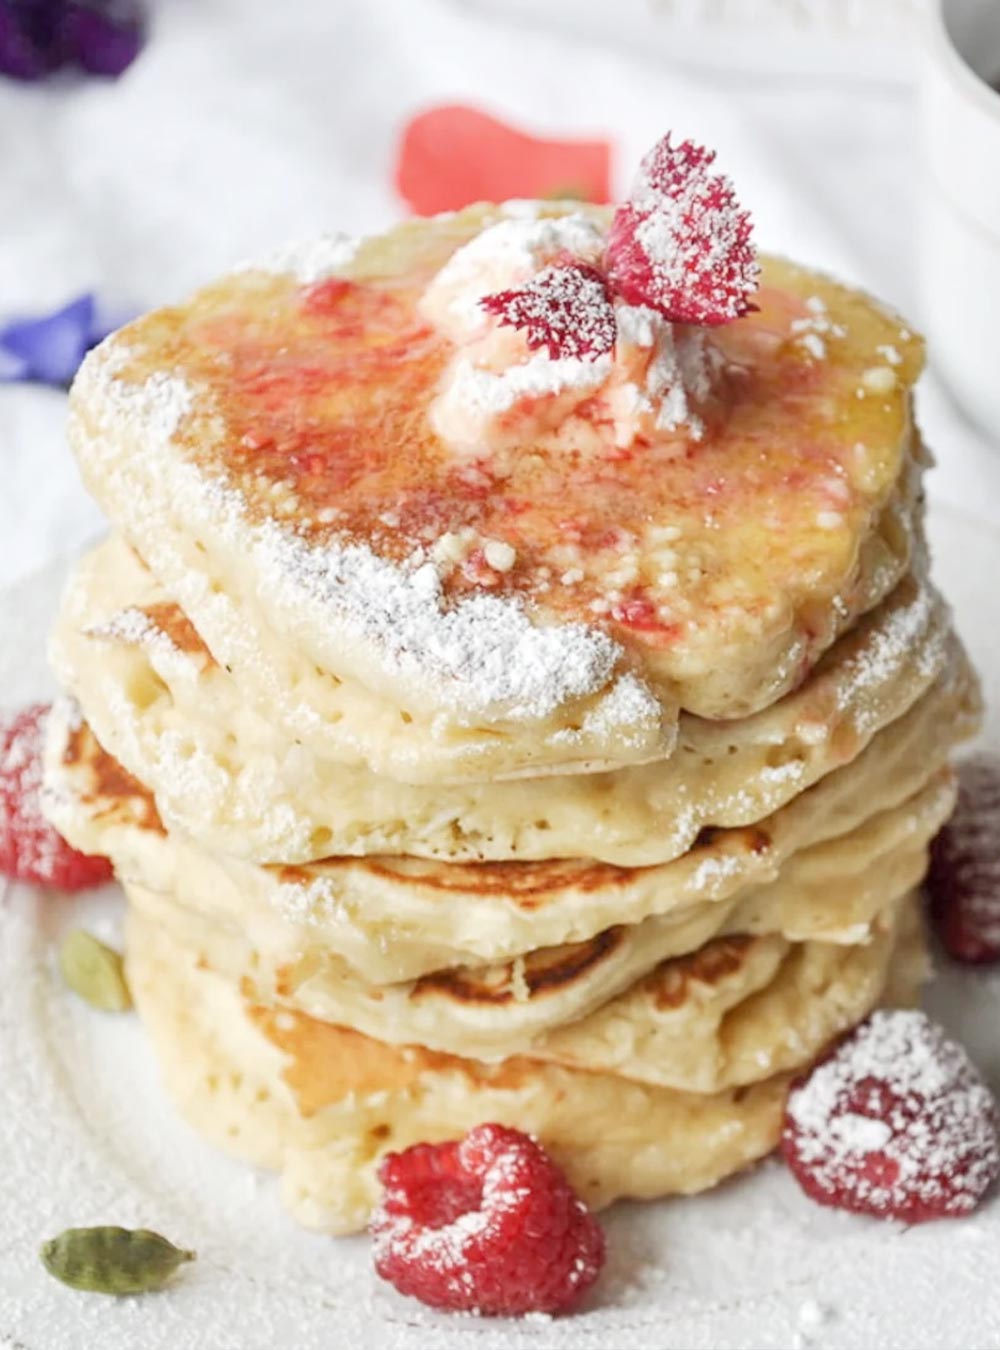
(394, 918)
(322, 1105)
(226, 775)
(283, 483)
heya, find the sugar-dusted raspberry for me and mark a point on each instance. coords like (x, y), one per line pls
(30, 849)
(487, 1224)
(681, 243)
(565, 308)
(896, 1123)
(964, 877)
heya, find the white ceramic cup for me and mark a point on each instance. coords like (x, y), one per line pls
(960, 220)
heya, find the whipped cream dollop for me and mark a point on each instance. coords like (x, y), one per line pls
(497, 392)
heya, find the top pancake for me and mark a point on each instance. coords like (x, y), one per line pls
(267, 449)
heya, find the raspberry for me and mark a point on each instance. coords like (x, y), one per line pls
(895, 1123)
(486, 1224)
(30, 849)
(964, 877)
(681, 243)
(565, 308)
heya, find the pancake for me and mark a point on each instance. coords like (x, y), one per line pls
(233, 780)
(268, 449)
(322, 1105)
(393, 919)
(656, 1025)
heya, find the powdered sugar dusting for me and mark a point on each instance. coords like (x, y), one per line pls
(129, 626)
(625, 365)
(892, 643)
(815, 328)
(484, 653)
(153, 407)
(896, 1122)
(488, 1224)
(481, 656)
(133, 627)
(680, 373)
(565, 308)
(308, 260)
(30, 847)
(475, 395)
(504, 255)
(681, 243)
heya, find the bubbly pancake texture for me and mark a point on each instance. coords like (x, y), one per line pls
(322, 1105)
(399, 918)
(656, 1025)
(283, 482)
(226, 775)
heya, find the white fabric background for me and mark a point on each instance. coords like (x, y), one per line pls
(246, 123)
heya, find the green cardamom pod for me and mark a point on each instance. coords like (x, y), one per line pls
(112, 1260)
(94, 971)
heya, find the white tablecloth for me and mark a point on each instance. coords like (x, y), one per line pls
(246, 123)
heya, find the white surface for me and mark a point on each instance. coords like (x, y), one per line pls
(247, 123)
(87, 1136)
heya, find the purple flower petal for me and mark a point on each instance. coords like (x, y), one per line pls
(52, 347)
(103, 38)
(30, 46)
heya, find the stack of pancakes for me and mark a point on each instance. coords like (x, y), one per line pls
(588, 795)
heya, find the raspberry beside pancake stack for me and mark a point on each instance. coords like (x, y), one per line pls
(480, 732)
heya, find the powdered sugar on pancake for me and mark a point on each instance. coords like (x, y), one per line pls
(481, 656)
(502, 256)
(308, 260)
(892, 642)
(484, 651)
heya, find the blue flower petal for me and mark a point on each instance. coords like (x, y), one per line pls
(52, 347)
(12, 368)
